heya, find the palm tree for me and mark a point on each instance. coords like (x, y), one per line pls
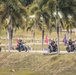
(41, 16)
(31, 26)
(70, 24)
(13, 12)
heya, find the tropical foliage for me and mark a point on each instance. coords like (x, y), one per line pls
(15, 10)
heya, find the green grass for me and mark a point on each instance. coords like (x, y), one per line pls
(23, 72)
(5, 71)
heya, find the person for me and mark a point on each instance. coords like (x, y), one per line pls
(52, 45)
(20, 44)
(17, 40)
(70, 42)
(47, 39)
(65, 40)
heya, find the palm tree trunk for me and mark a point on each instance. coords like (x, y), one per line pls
(33, 37)
(57, 28)
(70, 33)
(67, 35)
(0, 32)
(10, 33)
(58, 39)
(43, 34)
(34, 32)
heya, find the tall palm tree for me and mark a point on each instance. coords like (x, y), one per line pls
(41, 15)
(13, 12)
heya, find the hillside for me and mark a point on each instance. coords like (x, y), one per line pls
(37, 64)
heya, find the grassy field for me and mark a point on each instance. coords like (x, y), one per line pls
(37, 64)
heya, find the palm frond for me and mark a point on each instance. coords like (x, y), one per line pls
(26, 2)
(37, 16)
(33, 8)
(51, 6)
(41, 3)
(3, 17)
(31, 24)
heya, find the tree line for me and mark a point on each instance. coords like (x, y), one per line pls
(49, 13)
